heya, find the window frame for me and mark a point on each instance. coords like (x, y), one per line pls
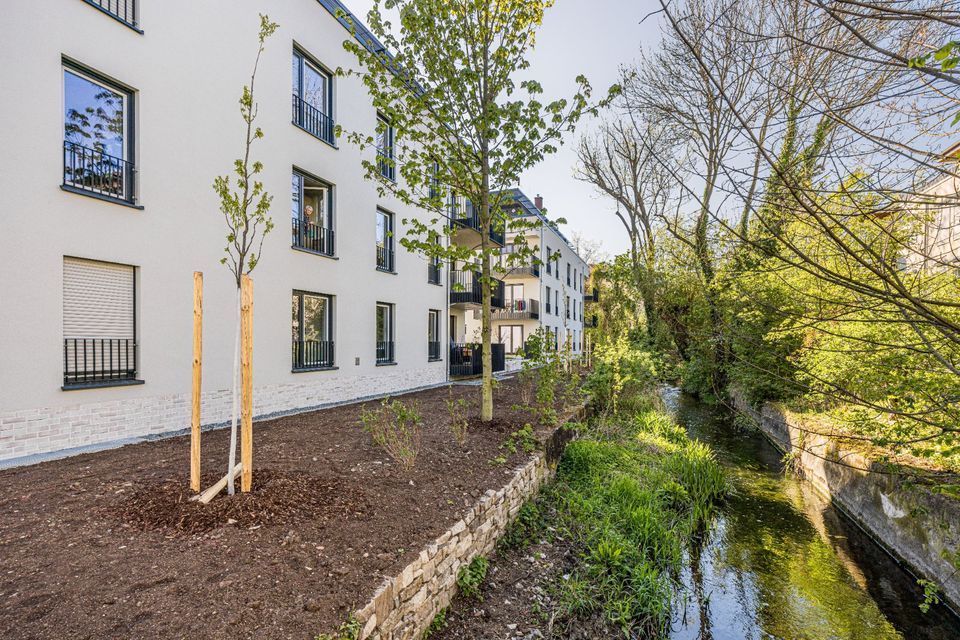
(388, 241)
(304, 60)
(390, 332)
(387, 170)
(433, 326)
(330, 213)
(300, 294)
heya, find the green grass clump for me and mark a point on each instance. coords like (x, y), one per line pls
(633, 493)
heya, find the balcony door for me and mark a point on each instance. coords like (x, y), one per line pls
(511, 337)
(513, 297)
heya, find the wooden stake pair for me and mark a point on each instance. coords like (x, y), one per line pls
(245, 468)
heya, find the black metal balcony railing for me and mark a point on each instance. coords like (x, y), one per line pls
(433, 273)
(433, 350)
(385, 352)
(123, 10)
(465, 288)
(516, 270)
(312, 354)
(313, 237)
(472, 221)
(386, 165)
(97, 172)
(467, 359)
(548, 307)
(98, 360)
(523, 309)
(384, 258)
(312, 120)
(594, 296)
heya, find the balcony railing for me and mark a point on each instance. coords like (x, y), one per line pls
(313, 237)
(433, 273)
(548, 307)
(97, 172)
(465, 288)
(472, 221)
(433, 350)
(98, 360)
(386, 165)
(515, 270)
(523, 309)
(123, 10)
(312, 120)
(467, 359)
(594, 296)
(312, 354)
(384, 258)
(385, 353)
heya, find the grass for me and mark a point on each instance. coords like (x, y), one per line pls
(632, 493)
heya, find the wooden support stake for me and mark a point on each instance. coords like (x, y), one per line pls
(246, 383)
(216, 488)
(197, 369)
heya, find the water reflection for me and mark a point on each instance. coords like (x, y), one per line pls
(781, 562)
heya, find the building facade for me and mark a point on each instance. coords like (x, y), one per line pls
(546, 294)
(936, 247)
(128, 110)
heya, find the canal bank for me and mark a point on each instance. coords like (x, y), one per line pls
(781, 561)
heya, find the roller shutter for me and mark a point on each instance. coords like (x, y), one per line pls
(98, 299)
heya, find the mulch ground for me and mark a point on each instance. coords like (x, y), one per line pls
(108, 545)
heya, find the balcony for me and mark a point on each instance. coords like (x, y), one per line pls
(385, 353)
(313, 120)
(385, 259)
(99, 361)
(123, 10)
(312, 354)
(433, 350)
(467, 359)
(594, 296)
(470, 222)
(312, 237)
(433, 272)
(523, 309)
(466, 289)
(96, 172)
(503, 265)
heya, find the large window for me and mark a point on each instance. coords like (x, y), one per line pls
(548, 300)
(312, 97)
(513, 297)
(97, 136)
(433, 334)
(384, 240)
(385, 346)
(312, 214)
(556, 302)
(568, 274)
(385, 148)
(312, 325)
(99, 323)
(549, 261)
(511, 336)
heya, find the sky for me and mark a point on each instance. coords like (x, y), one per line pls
(594, 39)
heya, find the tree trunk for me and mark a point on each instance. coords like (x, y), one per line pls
(486, 403)
(236, 401)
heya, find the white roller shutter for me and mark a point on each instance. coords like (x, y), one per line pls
(98, 299)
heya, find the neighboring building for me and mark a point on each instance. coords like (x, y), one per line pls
(548, 295)
(121, 114)
(937, 246)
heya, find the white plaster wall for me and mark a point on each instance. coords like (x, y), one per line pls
(187, 69)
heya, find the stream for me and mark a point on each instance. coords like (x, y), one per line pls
(781, 562)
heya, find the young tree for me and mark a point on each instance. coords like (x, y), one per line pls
(245, 210)
(445, 79)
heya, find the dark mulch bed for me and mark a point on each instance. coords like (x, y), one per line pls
(106, 545)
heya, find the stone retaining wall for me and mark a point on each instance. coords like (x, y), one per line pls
(404, 605)
(917, 526)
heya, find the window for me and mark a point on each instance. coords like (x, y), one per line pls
(312, 331)
(99, 323)
(97, 136)
(312, 214)
(385, 148)
(568, 274)
(384, 240)
(511, 336)
(124, 11)
(566, 306)
(385, 351)
(549, 261)
(433, 267)
(312, 98)
(556, 300)
(548, 298)
(433, 334)
(513, 297)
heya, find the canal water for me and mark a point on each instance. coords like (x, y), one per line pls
(781, 562)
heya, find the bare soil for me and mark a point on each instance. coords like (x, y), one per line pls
(108, 545)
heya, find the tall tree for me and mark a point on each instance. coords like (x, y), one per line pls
(445, 78)
(245, 210)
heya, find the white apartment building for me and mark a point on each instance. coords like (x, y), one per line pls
(937, 245)
(121, 114)
(548, 295)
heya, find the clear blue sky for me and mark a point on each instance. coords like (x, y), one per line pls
(594, 39)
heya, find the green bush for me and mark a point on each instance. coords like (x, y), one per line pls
(471, 577)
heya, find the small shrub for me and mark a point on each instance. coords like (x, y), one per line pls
(521, 440)
(472, 576)
(349, 630)
(395, 428)
(438, 624)
(524, 528)
(457, 410)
